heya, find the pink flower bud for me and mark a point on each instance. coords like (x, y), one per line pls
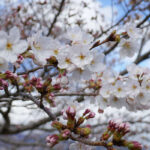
(57, 86)
(86, 112)
(39, 86)
(137, 144)
(1, 88)
(3, 84)
(52, 140)
(91, 115)
(134, 145)
(20, 59)
(25, 76)
(119, 126)
(71, 112)
(10, 75)
(100, 110)
(66, 133)
(65, 117)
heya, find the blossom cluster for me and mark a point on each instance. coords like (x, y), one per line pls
(72, 126)
(80, 73)
(83, 69)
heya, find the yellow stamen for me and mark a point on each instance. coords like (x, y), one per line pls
(56, 51)
(81, 57)
(67, 60)
(9, 46)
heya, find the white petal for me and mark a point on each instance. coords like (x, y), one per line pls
(20, 47)
(3, 44)
(14, 35)
(9, 56)
(3, 64)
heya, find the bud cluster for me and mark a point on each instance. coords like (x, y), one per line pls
(72, 126)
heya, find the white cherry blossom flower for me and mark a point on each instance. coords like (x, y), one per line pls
(143, 98)
(133, 87)
(102, 102)
(65, 61)
(132, 31)
(120, 90)
(145, 86)
(106, 90)
(79, 74)
(11, 45)
(128, 47)
(77, 36)
(81, 56)
(97, 64)
(55, 48)
(108, 76)
(137, 72)
(40, 46)
(117, 102)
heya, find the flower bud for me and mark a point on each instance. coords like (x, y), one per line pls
(86, 112)
(71, 112)
(80, 121)
(57, 125)
(134, 145)
(84, 131)
(52, 140)
(57, 87)
(65, 133)
(91, 115)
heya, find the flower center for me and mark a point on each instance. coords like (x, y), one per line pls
(134, 87)
(92, 62)
(82, 57)
(56, 51)
(115, 99)
(141, 95)
(119, 89)
(147, 87)
(127, 45)
(37, 46)
(9, 46)
(131, 30)
(84, 41)
(67, 60)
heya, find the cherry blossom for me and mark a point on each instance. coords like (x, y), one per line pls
(128, 47)
(11, 47)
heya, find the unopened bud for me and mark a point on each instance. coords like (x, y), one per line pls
(91, 115)
(65, 133)
(57, 125)
(86, 112)
(52, 140)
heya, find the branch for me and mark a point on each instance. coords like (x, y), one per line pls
(37, 102)
(88, 142)
(137, 61)
(111, 49)
(56, 16)
(18, 129)
(34, 69)
(75, 94)
(12, 142)
(130, 10)
(144, 20)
